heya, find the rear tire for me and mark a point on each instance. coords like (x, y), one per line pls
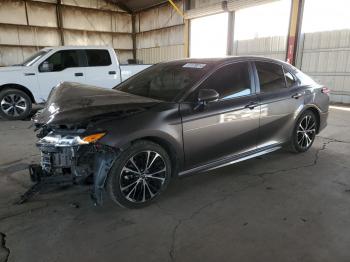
(139, 175)
(304, 132)
(14, 104)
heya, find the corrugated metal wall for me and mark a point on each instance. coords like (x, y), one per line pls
(273, 47)
(326, 57)
(159, 34)
(26, 26)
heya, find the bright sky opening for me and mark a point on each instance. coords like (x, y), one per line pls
(209, 36)
(263, 21)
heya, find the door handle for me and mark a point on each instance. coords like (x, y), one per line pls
(78, 74)
(297, 95)
(251, 105)
(29, 74)
(112, 72)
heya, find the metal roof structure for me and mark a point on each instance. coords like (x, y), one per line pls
(137, 5)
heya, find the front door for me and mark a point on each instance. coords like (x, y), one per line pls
(224, 127)
(281, 99)
(62, 66)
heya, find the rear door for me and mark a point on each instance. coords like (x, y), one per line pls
(224, 127)
(281, 99)
(101, 70)
(62, 66)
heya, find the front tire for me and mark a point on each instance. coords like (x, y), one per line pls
(14, 104)
(139, 175)
(304, 132)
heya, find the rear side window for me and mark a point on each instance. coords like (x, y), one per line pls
(230, 81)
(290, 80)
(98, 57)
(271, 76)
(61, 60)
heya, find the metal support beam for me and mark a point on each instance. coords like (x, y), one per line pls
(59, 20)
(123, 6)
(296, 16)
(133, 21)
(186, 30)
(176, 8)
(186, 38)
(26, 10)
(186, 4)
(230, 32)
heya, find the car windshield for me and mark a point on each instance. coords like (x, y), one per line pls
(32, 59)
(165, 81)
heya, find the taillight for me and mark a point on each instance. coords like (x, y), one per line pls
(325, 90)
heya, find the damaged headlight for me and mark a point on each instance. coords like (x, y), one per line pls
(70, 140)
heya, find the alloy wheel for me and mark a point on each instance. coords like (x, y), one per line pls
(143, 176)
(306, 132)
(13, 105)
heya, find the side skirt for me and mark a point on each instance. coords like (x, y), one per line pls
(231, 160)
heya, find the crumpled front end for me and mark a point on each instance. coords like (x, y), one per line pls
(65, 153)
(70, 132)
(71, 156)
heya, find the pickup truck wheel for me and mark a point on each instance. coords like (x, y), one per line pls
(14, 104)
(139, 175)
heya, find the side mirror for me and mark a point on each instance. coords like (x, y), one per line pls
(207, 95)
(46, 67)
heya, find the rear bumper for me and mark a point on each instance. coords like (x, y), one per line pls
(323, 121)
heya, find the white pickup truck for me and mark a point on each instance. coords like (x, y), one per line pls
(31, 82)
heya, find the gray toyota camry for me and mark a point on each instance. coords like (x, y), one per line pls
(174, 119)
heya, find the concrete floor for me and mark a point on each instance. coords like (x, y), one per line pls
(279, 207)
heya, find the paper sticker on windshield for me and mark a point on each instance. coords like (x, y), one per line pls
(194, 65)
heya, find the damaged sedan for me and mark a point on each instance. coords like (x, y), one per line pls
(173, 119)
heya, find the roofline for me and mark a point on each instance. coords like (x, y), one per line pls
(78, 47)
(227, 59)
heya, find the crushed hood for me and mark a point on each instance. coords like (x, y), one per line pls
(71, 103)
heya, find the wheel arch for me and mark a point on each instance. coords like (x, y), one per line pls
(18, 87)
(314, 110)
(176, 162)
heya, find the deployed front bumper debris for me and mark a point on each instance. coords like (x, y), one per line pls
(42, 180)
(67, 161)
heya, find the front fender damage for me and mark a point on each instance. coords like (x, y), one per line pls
(102, 165)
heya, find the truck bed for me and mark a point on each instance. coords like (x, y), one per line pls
(129, 70)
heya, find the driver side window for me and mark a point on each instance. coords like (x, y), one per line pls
(230, 81)
(61, 60)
